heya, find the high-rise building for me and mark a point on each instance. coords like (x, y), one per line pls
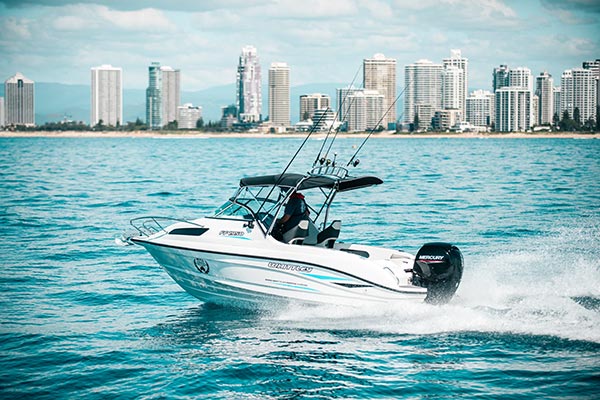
(594, 66)
(188, 116)
(107, 95)
(557, 106)
(544, 90)
(456, 60)
(309, 103)
(423, 91)
(248, 86)
(279, 94)
(154, 97)
(480, 108)
(19, 101)
(362, 109)
(379, 74)
(343, 103)
(170, 94)
(535, 102)
(513, 109)
(1, 112)
(579, 90)
(500, 77)
(520, 77)
(452, 88)
(323, 119)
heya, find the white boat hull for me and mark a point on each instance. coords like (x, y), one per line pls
(243, 275)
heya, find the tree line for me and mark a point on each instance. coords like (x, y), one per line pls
(130, 126)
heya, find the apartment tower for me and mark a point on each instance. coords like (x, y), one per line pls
(544, 90)
(107, 95)
(19, 101)
(423, 91)
(379, 74)
(456, 60)
(579, 90)
(170, 94)
(248, 86)
(279, 94)
(309, 103)
(154, 97)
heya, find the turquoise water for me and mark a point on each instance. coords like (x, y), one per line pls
(82, 317)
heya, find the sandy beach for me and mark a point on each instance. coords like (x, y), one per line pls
(188, 134)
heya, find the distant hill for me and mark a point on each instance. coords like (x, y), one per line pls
(55, 101)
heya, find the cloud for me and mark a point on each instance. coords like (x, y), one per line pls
(14, 29)
(130, 5)
(586, 6)
(458, 14)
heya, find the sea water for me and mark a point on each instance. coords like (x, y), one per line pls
(83, 318)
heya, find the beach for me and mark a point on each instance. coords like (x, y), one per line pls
(316, 135)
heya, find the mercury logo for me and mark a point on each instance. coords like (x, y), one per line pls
(431, 258)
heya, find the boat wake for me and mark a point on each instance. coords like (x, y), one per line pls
(547, 286)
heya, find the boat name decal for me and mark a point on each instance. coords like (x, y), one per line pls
(231, 233)
(431, 258)
(289, 267)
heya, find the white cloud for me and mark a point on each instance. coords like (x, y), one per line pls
(147, 19)
(15, 29)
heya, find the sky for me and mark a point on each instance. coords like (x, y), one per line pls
(322, 41)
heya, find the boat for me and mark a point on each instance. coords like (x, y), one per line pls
(236, 257)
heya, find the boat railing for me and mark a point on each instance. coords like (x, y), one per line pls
(148, 226)
(329, 170)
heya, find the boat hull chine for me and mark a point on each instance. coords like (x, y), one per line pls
(253, 280)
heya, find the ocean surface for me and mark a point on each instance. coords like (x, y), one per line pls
(83, 318)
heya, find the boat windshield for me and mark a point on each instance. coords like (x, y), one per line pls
(248, 208)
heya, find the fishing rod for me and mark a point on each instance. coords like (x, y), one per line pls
(335, 118)
(355, 162)
(312, 130)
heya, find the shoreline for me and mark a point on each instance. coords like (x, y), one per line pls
(206, 135)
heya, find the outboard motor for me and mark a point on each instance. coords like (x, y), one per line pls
(438, 267)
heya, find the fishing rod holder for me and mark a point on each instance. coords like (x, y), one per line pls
(328, 170)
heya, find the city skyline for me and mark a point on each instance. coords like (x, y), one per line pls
(551, 35)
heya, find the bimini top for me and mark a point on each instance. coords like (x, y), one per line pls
(311, 181)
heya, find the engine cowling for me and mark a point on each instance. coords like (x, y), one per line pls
(438, 267)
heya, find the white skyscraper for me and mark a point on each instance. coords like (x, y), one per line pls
(170, 94)
(500, 77)
(19, 101)
(107, 95)
(544, 90)
(513, 109)
(594, 66)
(578, 90)
(248, 86)
(279, 94)
(521, 77)
(423, 91)
(480, 108)
(462, 63)
(556, 91)
(379, 74)
(1, 112)
(188, 116)
(309, 103)
(363, 109)
(451, 87)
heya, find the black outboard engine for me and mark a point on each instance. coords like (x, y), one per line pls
(438, 267)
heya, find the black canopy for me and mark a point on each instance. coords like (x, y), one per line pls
(312, 181)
